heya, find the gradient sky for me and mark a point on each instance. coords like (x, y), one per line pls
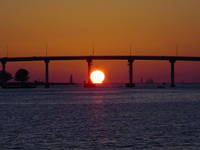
(72, 27)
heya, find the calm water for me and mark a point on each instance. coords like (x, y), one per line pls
(100, 119)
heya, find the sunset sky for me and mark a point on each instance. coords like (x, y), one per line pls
(73, 27)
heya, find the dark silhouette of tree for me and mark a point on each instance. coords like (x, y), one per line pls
(22, 75)
(5, 77)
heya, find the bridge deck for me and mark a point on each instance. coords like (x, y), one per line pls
(54, 58)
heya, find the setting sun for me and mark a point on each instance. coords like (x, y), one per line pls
(97, 77)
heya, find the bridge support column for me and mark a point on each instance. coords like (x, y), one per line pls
(89, 82)
(3, 82)
(89, 61)
(46, 73)
(172, 62)
(130, 64)
(3, 66)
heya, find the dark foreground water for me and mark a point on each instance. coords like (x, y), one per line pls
(100, 119)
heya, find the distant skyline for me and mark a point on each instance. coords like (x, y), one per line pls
(110, 26)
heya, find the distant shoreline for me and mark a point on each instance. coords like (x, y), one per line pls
(105, 85)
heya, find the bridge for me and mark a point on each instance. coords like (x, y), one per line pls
(89, 59)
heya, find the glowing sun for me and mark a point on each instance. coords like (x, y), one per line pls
(97, 77)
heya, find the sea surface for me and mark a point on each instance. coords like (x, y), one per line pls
(105, 118)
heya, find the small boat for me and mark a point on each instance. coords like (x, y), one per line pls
(89, 85)
(130, 85)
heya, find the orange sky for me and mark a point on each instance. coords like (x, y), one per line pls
(71, 27)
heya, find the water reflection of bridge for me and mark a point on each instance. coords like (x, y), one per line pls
(130, 59)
